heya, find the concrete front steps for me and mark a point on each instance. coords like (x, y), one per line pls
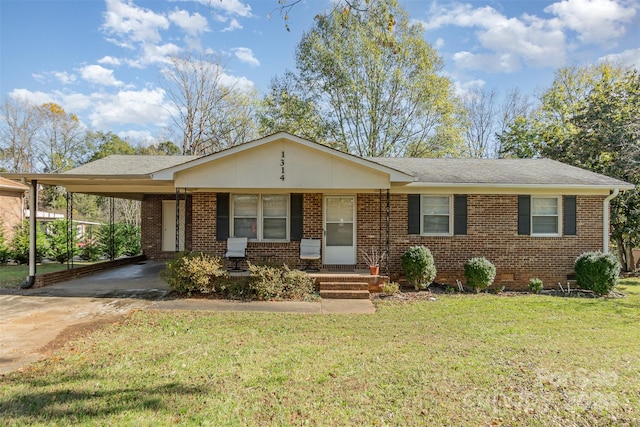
(344, 290)
(347, 285)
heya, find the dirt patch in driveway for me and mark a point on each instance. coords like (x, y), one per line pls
(33, 326)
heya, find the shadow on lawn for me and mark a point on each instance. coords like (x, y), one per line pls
(63, 405)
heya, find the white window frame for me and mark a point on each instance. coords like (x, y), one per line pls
(558, 216)
(423, 214)
(260, 216)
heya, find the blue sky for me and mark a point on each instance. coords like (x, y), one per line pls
(102, 59)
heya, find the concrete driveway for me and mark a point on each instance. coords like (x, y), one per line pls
(34, 322)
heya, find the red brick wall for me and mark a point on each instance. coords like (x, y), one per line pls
(492, 232)
(151, 236)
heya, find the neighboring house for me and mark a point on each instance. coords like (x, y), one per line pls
(530, 217)
(84, 229)
(11, 205)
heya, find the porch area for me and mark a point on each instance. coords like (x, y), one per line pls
(341, 284)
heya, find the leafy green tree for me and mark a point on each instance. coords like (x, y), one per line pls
(109, 143)
(378, 83)
(162, 148)
(20, 244)
(61, 241)
(283, 109)
(5, 250)
(124, 239)
(607, 140)
(590, 118)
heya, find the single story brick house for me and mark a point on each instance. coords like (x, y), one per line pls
(530, 217)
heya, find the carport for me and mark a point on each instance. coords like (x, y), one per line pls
(103, 179)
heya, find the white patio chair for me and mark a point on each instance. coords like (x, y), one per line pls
(236, 251)
(310, 251)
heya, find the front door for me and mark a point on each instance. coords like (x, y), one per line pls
(169, 225)
(339, 230)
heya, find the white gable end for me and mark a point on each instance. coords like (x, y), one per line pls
(282, 164)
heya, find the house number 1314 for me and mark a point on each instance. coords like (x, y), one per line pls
(282, 167)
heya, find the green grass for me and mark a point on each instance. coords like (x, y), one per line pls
(12, 275)
(460, 360)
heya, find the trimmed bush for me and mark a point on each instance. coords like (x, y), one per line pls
(61, 240)
(480, 273)
(535, 285)
(126, 239)
(194, 272)
(5, 250)
(279, 283)
(419, 267)
(91, 251)
(597, 271)
(20, 244)
(390, 288)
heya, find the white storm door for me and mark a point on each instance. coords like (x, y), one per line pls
(169, 225)
(340, 230)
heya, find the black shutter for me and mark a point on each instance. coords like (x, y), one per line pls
(295, 226)
(569, 211)
(524, 215)
(413, 226)
(222, 216)
(460, 214)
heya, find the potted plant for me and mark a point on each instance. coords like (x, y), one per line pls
(372, 258)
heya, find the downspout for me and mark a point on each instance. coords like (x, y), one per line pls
(605, 220)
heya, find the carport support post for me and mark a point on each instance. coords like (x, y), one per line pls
(33, 213)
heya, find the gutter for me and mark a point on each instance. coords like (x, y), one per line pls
(605, 220)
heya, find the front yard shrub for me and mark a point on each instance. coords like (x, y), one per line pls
(390, 288)
(419, 267)
(597, 271)
(123, 239)
(480, 273)
(193, 272)
(5, 251)
(91, 251)
(20, 244)
(61, 240)
(278, 283)
(535, 285)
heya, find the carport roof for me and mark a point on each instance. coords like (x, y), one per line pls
(119, 164)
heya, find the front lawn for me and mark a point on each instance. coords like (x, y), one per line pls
(12, 275)
(459, 360)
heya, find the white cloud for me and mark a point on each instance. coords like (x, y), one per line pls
(240, 83)
(507, 42)
(108, 110)
(146, 106)
(64, 77)
(244, 54)
(131, 24)
(234, 24)
(230, 7)
(37, 97)
(152, 54)
(97, 74)
(138, 136)
(628, 58)
(596, 21)
(464, 88)
(109, 60)
(192, 24)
